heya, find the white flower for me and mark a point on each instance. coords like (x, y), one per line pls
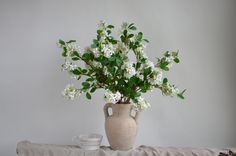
(96, 64)
(124, 26)
(72, 47)
(70, 92)
(148, 64)
(60, 45)
(112, 97)
(140, 75)
(170, 90)
(140, 51)
(69, 66)
(156, 78)
(108, 50)
(170, 60)
(123, 48)
(105, 71)
(101, 25)
(141, 104)
(96, 52)
(103, 33)
(129, 69)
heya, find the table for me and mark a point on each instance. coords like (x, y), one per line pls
(26, 148)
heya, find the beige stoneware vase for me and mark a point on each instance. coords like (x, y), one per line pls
(121, 127)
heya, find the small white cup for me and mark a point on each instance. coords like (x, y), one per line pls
(88, 141)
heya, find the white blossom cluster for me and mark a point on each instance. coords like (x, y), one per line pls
(70, 47)
(70, 92)
(170, 58)
(106, 72)
(102, 28)
(96, 52)
(124, 26)
(129, 69)
(149, 64)
(170, 90)
(104, 49)
(140, 52)
(108, 50)
(110, 97)
(121, 47)
(68, 66)
(156, 78)
(141, 104)
(96, 64)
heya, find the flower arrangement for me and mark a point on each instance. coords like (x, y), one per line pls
(107, 66)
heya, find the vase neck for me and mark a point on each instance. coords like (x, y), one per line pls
(121, 109)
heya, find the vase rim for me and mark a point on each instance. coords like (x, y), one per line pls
(123, 104)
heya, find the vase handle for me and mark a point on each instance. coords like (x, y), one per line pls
(136, 115)
(105, 109)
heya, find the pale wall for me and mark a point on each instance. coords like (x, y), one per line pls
(31, 105)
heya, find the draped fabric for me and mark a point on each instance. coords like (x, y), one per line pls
(26, 148)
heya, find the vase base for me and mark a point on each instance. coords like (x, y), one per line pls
(121, 149)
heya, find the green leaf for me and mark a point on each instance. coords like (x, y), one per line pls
(113, 41)
(122, 37)
(164, 66)
(181, 95)
(93, 90)
(75, 53)
(89, 79)
(131, 35)
(61, 42)
(93, 46)
(99, 32)
(118, 61)
(88, 96)
(133, 28)
(78, 78)
(146, 40)
(88, 56)
(76, 72)
(64, 54)
(137, 94)
(147, 71)
(108, 32)
(110, 26)
(167, 54)
(86, 85)
(165, 80)
(176, 60)
(75, 58)
(71, 41)
(84, 71)
(95, 41)
(125, 32)
(131, 25)
(140, 36)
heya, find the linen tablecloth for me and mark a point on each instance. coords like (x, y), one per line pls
(26, 148)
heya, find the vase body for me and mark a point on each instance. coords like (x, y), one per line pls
(121, 127)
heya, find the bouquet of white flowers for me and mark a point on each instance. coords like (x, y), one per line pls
(109, 67)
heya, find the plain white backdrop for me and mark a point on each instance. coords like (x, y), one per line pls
(31, 105)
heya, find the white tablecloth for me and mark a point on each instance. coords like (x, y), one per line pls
(26, 148)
